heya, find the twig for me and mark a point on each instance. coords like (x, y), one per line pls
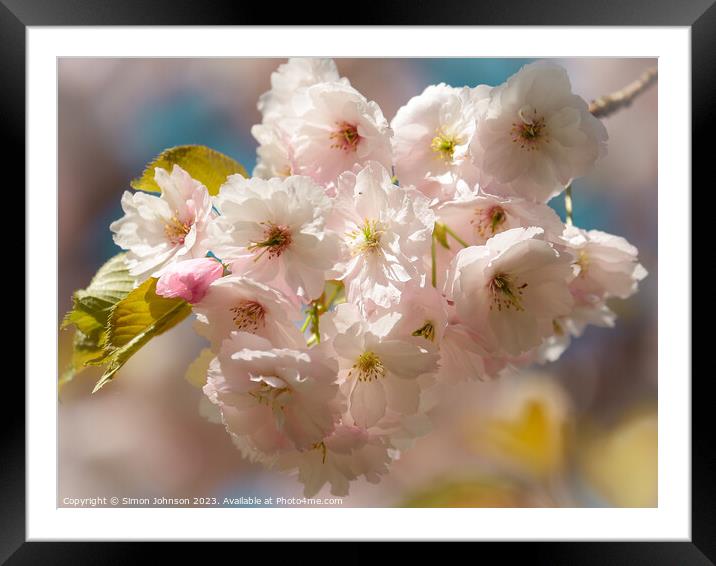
(610, 103)
(607, 105)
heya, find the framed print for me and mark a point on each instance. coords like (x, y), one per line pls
(424, 277)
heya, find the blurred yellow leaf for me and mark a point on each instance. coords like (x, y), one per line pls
(534, 438)
(197, 370)
(475, 493)
(622, 463)
(208, 166)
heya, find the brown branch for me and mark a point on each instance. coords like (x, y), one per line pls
(610, 103)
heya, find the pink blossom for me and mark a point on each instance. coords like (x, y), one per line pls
(189, 279)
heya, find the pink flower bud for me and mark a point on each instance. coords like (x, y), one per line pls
(189, 279)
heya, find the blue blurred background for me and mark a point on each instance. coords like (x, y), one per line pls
(144, 435)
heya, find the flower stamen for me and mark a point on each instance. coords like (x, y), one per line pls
(582, 262)
(530, 130)
(273, 397)
(366, 239)
(489, 220)
(506, 293)
(322, 447)
(427, 331)
(249, 316)
(176, 231)
(368, 366)
(444, 144)
(276, 239)
(346, 137)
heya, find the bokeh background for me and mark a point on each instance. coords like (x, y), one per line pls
(579, 432)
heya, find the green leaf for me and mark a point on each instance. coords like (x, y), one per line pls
(91, 310)
(92, 306)
(206, 165)
(440, 234)
(135, 320)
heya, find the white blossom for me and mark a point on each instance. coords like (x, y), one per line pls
(158, 230)
(606, 265)
(349, 453)
(433, 132)
(336, 128)
(368, 268)
(274, 399)
(385, 230)
(511, 289)
(378, 372)
(292, 77)
(235, 303)
(273, 231)
(535, 135)
(475, 218)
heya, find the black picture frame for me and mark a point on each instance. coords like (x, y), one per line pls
(699, 15)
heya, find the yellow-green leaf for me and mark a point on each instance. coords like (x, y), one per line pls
(206, 165)
(90, 313)
(91, 306)
(134, 320)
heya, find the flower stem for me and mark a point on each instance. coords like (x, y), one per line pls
(568, 204)
(434, 268)
(457, 238)
(315, 318)
(329, 302)
(304, 326)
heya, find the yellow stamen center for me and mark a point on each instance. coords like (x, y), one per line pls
(366, 239)
(582, 262)
(427, 331)
(444, 145)
(368, 367)
(176, 230)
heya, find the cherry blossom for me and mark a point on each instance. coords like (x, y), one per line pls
(335, 129)
(385, 229)
(273, 231)
(347, 454)
(606, 265)
(432, 136)
(512, 288)
(189, 279)
(366, 269)
(535, 135)
(235, 303)
(476, 217)
(378, 372)
(292, 77)
(274, 399)
(160, 230)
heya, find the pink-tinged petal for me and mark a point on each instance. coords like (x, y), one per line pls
(368, 402)
(189, 279)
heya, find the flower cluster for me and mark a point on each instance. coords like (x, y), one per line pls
(367, 264)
